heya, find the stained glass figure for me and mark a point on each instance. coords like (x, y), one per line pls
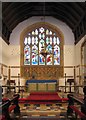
(49, 48)
(27, 55)
(41, 60)
(56, 55)
(49, 60)
(34, 55)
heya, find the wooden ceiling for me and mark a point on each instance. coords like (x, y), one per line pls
(72, 13)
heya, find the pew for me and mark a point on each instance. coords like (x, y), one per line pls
(8, 106)
(72, 107)
(78, 112)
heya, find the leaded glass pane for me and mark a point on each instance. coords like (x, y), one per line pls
(28, 33)
(51, 40)
(56, 55)
(33, 33)
(54, 40)
(47, 32)
(29, 40)
(40, 36)
(27, 55)
(43, 35)
(54, 33)
(58, 41)
(47, 40)
(34, 55)
(36, 32)
(25, 41)
(50, 32)
(36, 40)
(33, 40)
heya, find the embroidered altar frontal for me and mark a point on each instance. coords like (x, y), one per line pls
(41, 85)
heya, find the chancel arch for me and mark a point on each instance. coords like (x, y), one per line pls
(42, 52)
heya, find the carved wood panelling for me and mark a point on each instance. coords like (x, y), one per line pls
(42, 72)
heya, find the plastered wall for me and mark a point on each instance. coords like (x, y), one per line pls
(11, 53)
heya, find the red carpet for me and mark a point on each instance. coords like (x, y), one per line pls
(42, 98)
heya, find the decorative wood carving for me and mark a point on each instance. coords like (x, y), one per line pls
(42, 72)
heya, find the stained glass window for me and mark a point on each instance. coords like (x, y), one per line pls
(40, 39)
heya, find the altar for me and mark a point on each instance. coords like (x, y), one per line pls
(41, 85)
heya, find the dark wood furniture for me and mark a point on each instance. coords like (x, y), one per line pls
(70, 81)
(11, 85)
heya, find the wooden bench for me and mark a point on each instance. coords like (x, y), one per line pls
(8, 105)
(78, 112)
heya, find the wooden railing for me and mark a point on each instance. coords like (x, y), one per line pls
(73, 108)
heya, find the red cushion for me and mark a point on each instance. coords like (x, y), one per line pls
(12, 108)
(5, 99)
(39, 102)
(64, 99)
(82, 115)
(22, 100)
(43, 93)
(44, 97)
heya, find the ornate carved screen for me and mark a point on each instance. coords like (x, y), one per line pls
(47, 64)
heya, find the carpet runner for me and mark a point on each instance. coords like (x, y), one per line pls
(42, 98)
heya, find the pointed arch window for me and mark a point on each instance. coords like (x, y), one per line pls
(42, 38)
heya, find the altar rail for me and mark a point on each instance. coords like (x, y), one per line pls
(58, 89)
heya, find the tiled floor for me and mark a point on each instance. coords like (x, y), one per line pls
(55, 111)
(42, 111)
